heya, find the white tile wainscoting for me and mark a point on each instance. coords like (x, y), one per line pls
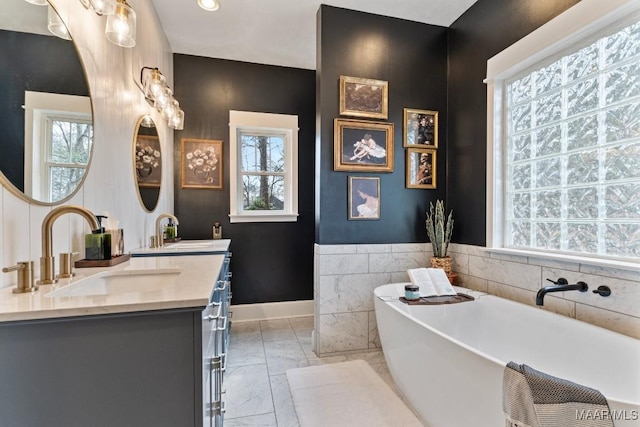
(345, 276)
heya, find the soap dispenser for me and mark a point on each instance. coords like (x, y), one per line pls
(171, 230)
(97, 245)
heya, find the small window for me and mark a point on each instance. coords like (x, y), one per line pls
(263, 168)
(68, 148)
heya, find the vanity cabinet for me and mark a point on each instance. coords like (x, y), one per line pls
(160, 368)
(216, 324)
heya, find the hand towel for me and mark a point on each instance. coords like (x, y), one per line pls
(532, 398)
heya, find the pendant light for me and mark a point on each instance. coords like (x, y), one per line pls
(121, 25)
(55, 24)
(101, 7)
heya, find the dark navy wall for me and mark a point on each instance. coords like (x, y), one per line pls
(271, 261)
(412, 58)
(37, 63)
(427, 67)
(486, 29)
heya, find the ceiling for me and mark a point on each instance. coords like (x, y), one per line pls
(278, 32)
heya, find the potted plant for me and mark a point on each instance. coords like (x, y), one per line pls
(439, 233)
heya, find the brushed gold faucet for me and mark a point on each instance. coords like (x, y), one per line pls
(159, 239)
(47, 266)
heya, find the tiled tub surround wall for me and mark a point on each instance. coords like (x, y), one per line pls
(345, 276)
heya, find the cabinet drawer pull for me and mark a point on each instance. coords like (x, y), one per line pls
(211, 317)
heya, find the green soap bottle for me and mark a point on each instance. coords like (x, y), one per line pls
(97, 245)
(171, 230)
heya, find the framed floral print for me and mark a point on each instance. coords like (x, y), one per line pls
(148, 161)
(201, 163)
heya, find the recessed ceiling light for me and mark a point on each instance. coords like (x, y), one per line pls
(210, 5)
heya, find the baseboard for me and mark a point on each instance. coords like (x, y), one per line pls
(271, 310)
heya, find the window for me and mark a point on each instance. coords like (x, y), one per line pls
(263, 169)
(67, 147)
(566, 140)
(58, 139)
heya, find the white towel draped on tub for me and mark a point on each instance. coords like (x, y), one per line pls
(532, 398)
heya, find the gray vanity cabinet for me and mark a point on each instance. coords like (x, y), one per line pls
(138, 369)
(156, 368)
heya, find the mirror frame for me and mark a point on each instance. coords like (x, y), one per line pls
(133, 162)
(6, 183)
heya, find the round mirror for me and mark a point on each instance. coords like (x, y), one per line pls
(147, 161)
(45, 108)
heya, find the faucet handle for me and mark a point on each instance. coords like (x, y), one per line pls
(560, 281)
(25, 276)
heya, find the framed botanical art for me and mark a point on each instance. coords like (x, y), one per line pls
(148, 161)
(364, 197)
(421, 168)
(201, 163)
(364, 97)
(420, 128)
(362, 146)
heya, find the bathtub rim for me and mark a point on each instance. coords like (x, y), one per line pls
(478, 295)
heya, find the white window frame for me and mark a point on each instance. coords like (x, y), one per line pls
(583, 21)
(245, 121)
(40, 108)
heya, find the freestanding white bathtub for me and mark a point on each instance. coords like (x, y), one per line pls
(448, 360)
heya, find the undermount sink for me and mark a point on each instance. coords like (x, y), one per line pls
(118, 282)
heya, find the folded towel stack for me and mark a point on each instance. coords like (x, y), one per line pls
(532, 398)
(432, 281)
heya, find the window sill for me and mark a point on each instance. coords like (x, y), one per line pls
(263, 217)
(598, 262)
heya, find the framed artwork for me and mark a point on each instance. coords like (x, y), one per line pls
(148, 161)
(201, 163)
(420, 128)
(364, 197)
(421, 168)
(362, 146)
(364, 97)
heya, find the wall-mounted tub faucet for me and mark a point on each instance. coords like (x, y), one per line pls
(558, 286)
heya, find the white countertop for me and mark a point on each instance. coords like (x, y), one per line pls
(192, 288)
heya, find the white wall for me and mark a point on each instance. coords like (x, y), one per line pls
(112, 73)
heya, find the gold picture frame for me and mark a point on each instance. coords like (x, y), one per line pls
(201, 163)
(364, 198)
(362, 146)
(360, 97)
(420, 128)
(421, 168)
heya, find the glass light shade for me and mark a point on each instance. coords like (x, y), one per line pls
(121, 26)
(38, 2)
(170, 109)
(210, 5)
(147, 122)
(102, 7)
(177, 121)
(162, 99)
(56, 26)
(154, 84)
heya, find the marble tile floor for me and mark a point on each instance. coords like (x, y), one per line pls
(257, 391)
